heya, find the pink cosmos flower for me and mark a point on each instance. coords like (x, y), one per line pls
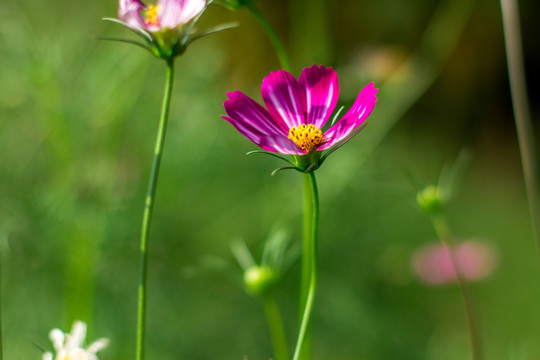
(165, 15)
(434, 265)
(296, 112)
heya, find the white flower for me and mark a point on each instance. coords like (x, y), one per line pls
(70, 346)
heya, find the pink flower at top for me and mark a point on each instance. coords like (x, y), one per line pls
(296, 112)
(165, 15)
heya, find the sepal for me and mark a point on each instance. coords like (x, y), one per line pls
(211, 31)
(140, 32)
(304, 163)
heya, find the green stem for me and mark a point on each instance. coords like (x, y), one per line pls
(275, 324)
(443, 232)
(148, 208)
(306, 261)
(309, 266)
(518, 90)
(278, 46)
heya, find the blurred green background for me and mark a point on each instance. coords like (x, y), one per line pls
(77, 124)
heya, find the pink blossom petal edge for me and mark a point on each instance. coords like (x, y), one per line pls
(284, 98)
(355, 117)
(174, 13)
(254, 122)
(433, 264)
(321, 88)
(129, 12)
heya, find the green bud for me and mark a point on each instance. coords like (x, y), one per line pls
(259, 279)
(431, 199)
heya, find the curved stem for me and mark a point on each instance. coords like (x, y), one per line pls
(443, 232)
(278, 46)
(275, 324)
(518, 90)
(148, 208)
(309, 265)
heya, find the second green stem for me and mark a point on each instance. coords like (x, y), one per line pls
(443, 232)
(148, 208)
(278, 46)
(275, 324)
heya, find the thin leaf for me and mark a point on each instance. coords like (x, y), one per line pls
(271, 154)
(451, 175)
(274, 249)
(283, 168)
(129, 41)
(242, 254)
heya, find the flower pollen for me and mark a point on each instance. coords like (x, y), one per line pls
(151, 15)
(307, 137)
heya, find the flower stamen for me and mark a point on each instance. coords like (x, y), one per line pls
(307, 137)
(151, 15)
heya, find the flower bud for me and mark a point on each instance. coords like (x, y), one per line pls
(431, 199)
(259, 279)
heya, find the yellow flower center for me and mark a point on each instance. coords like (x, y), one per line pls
(307, 137)
(151, 15)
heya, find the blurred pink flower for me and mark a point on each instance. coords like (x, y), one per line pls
(475, 261)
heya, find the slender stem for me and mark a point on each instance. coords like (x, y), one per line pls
(278, 46)
(518, 89)
(312, 198)
(305, 275)
(148, 208)
(443, 232)
(277, 331)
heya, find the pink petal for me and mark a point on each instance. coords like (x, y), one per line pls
(174, 13)
(254, 122)
(284, 98)
(476, 260)
(273, 143)
(129, 12)
(322, 92)
(246, 110)
(358, 113)
(434, 265)
(280, 144)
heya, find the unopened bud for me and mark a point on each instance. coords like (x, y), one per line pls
(259, 279)
(431, 199)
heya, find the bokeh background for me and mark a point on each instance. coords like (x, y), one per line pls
(77, 124)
